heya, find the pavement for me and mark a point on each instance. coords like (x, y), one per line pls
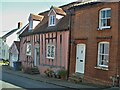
(4, 85)
(58, 82)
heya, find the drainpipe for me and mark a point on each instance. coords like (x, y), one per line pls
(69, 43)
(118, 72)
(39, 49)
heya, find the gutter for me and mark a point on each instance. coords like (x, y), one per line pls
(69, 43)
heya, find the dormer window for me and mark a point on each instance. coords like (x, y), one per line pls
(30, 25)
(52, 20)
(34, 20)
(55, 14)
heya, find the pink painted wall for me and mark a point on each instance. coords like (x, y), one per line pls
(60, 60)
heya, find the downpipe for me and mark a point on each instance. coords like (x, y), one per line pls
(115, 81)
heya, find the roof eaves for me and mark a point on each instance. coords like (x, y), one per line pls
(9, 33)
(81, 4)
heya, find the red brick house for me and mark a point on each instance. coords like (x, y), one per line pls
(95, 41)
(44, 42)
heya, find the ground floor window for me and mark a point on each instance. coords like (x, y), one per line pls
(103, 54)
(28, 49)
(50, 51)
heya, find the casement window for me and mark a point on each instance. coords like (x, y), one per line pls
(50, 51)
(103, 54)
(28, 49)
(104, 18)
(52, 20)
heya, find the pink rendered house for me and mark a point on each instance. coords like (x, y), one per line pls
(44, 42)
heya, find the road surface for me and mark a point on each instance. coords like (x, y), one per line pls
(25, 82)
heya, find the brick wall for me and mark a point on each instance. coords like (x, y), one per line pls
(86, 23)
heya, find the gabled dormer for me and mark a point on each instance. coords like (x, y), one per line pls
(34, 20)
(55, 14)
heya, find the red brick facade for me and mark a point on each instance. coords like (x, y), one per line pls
(85, 26)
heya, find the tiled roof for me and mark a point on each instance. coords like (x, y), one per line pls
(59, 10)
(36, 17)
(9, 33)
(42, 27)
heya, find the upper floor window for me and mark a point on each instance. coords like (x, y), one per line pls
(105, 18)
(52, 20)
(103, 54)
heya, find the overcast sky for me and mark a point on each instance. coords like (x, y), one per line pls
(13, 11)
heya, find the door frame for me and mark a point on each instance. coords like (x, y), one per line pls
(35, 58)
(84, 57)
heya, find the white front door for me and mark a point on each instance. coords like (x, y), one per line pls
(36, 56)
(80, 58)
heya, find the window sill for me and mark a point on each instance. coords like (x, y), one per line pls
(104, 28)
(49, 58)
(51, 25)
(102, 68)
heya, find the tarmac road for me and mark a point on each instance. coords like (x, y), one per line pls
(25, 82)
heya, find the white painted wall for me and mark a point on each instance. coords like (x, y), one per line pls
(0, 48)
(13, 54)
(10, 39)
(4, 50)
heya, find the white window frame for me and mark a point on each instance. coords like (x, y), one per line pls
(49, 52)
(99, 50)
(106, 18)
(29, 49)
(52, 20)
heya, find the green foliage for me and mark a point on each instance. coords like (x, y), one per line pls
(62, 73)
(49, 72)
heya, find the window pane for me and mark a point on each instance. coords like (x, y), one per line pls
(101, 59)
(48, 51)
(108, 13)
(53, 20)
(50, 20)
(106, 50)
(52, 51)
(108, 22)
(103, 22)
(102, 14)
(105, 62)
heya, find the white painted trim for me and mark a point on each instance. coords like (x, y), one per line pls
(103, 27)
(47, 51)
(84, 55)
(102, 68)
(54, 20)
(35, 58)
(51, 11)
(98, 54)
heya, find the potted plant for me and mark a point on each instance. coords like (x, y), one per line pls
(49, 72)
(62, 73)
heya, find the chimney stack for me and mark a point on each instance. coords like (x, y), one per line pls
(19, 25)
